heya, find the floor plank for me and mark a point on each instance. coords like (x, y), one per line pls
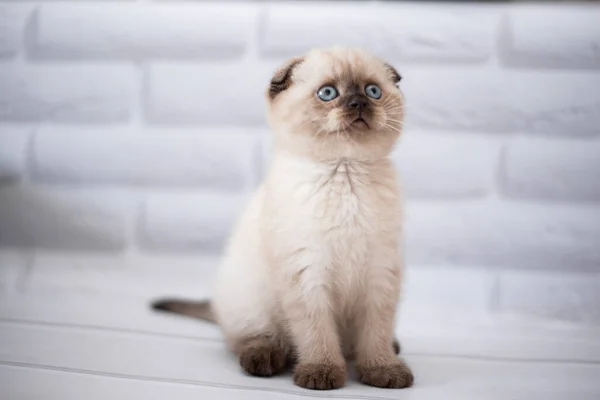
(131, 356)
(50, 384)
(112, 311)
(64, 385)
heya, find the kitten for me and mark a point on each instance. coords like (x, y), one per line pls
(312, 271)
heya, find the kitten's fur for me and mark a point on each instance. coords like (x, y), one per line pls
(312, 271)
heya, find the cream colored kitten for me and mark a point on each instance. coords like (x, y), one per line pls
(312, 272)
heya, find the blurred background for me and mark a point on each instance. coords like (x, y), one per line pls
(132, 132)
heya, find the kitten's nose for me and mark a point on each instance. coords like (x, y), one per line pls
(358, 102)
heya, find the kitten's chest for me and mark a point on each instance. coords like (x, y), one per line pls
(339, 212)
(342, 201)
(347, 214)
(345, 210)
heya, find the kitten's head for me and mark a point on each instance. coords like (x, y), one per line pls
(336, 103)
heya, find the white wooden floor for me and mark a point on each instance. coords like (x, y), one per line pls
(71, 333)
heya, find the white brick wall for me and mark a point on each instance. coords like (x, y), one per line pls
(501, 100)
(197, 223)
(13, 146)
(573, 297)
(503, 234)
(182, 94)
(115, 139)
(60, 93)
(120, 31)
(152, 157)
(62, 219)
(464, 164)
(553, 169)
(557, 42)
(12, 27)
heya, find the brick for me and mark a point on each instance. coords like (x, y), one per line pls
(13, 152)
(12, 26)
(63, 220)
(125, 31)
(437, 165)
(210, 94)
(551, 169)
(456, 33)
(491, 234)
(564, 37)
(395, 31)
(292, 29)
(195, 222)
(560, 295)
(222, 160)
(540, 102)
(75, 93)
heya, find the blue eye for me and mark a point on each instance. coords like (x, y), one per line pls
(373, 91)
(327, 93)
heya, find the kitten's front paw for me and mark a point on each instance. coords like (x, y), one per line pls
(263, 360)
(320, 376)
(395, 375)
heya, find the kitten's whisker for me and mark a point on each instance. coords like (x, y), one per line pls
(395, 108)
(399, 121)
(385, 102)
(394, 119)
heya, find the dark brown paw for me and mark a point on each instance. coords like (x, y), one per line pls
(262, 359)
(396, 345)
(320, 376)
(397, 375)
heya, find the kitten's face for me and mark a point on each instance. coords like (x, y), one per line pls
(336, 103)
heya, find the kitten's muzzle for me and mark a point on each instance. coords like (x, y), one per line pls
(358, 110)
(357, 102)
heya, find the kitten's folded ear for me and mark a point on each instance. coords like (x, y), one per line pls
(394, 75)
(282, 79)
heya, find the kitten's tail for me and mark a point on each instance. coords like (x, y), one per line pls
(194, 309)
